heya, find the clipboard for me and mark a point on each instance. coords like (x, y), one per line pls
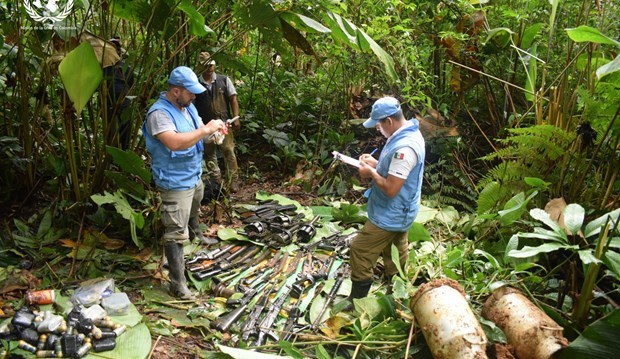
(346, 159)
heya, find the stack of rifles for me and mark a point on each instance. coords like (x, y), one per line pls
(263, 282)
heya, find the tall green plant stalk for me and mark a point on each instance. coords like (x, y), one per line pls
(581, 310)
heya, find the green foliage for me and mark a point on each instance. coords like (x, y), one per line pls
(598, 341)
(10, 158)
(81, 74)
(32, 242)
(348, 213)
(527, 152)
(447, 185)
(122, 206)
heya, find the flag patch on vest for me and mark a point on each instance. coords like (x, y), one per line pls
(399, 155)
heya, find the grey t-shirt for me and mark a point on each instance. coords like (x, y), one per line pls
(158, 122)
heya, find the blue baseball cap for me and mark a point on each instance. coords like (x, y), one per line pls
(184, 76)
(382, 108)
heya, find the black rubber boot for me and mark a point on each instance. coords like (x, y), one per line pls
(176, 270)
(195, 232)
(358, 290)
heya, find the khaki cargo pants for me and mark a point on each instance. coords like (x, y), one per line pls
(176, 210)
(369, 244)
(230, 159)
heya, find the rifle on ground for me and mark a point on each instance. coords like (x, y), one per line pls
(331, 296)
(211, 259)
(265, 326)
(248, 329)
(224, 322)
(227, 263)
(339, 244)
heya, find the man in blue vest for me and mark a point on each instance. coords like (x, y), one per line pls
(174, 135)
(394, 196)
(218, 101)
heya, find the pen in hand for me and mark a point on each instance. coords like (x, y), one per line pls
(373, 151)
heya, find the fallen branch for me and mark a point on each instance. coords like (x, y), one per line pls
(154, 346)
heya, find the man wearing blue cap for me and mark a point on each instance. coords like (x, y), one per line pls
(174, 135)
(394, 196)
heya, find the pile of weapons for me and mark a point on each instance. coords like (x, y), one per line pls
(48, 335)
(261, 282)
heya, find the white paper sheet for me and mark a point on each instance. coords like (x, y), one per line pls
(346, 159)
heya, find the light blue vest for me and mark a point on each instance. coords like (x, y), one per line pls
(398, 213)
(174, 170)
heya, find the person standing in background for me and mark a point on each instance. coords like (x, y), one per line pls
(218, 101)
(120, 79)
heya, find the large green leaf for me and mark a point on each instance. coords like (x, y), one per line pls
(612, 261)
(417, 233)
(304, 23)
(346, 32)
(284, 201)
(513, 209)
(589, 34)
(296, 38)
(342, 30)
(237, 353)
(528, 251)
(426, 214)
(608, 68)
(196, 21)
(587, 257)
(396, 259)
(122, 206)
(573, 217)
(501, 36)
(130, 162)
(290, 349)
(594, 227)
(128, 185)
(532, 74)
(544, 217)
(348, 213)
(81, 74)
(388, 63)
(530, 33)
(135, 342)
(599, 340)
(133, 10)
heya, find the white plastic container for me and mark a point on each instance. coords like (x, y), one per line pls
(95, 312)
(449, 325)
(116, 304)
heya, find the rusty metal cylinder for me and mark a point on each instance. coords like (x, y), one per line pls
(449, 325)
(531, 332)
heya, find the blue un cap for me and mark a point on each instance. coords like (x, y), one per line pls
(184, 76)
(382, 108)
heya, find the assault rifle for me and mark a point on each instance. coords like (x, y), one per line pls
(211, 255)
(224, 322)
(249, 326)
(227, 263)
(266, 210)
(331, 296)
(339, 244)
(311, 246)
(248, 329)
(227, 253)
(265, 326)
